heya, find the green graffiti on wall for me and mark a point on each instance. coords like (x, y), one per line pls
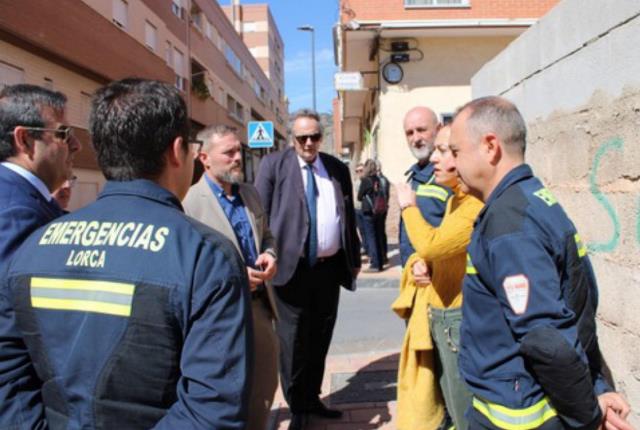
(610, 245)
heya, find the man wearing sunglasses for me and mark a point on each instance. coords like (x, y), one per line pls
(308, 197)
(36, 155)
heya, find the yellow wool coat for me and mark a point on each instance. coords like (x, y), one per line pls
(420, 404)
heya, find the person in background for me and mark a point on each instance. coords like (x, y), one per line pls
(357, 205)
(386, 189)
(374, 208)
(232, 207)
(63, 194)
(420, 128)
(436, 269)
(529, 349)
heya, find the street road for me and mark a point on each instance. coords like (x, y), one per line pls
(366, 322)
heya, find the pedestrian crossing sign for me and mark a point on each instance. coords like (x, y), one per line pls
(260, 134)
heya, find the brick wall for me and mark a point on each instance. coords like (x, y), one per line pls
(379, 10)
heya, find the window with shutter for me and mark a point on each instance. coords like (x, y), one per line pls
(10, 75)
(120, 13)
(150, 32)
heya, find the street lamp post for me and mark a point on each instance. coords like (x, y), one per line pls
(313, 60)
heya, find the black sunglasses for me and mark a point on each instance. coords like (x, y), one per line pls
(315, 138)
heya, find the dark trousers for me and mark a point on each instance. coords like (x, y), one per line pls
(374, 233)
(308, 306)
(360, 225)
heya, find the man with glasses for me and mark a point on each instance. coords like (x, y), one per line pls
(127, 313)
(36, 155)
(232, 207)
(308, 197)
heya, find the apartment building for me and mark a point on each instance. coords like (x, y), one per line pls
(258, 30)
(76, 46)
(414, 52)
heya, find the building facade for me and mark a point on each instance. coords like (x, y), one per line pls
(258, 30)
(76, 46)
(410, 53)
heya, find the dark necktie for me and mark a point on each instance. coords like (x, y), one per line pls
(312, 204)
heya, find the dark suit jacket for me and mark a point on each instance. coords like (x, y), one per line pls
(279, 183)
(22, 211)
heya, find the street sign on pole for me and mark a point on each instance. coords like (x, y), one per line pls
(260, 134)
(348, 81)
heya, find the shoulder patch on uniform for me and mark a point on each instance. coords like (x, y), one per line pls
(517, 290)
(546, 196)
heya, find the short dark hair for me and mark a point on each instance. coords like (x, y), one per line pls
(305, 113)
(497, 115)
(133, 122)
(22, 104)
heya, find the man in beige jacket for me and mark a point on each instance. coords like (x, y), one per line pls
(223, 202)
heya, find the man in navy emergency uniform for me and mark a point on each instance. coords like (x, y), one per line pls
(529, 350)
(127, 314)
(420, 128)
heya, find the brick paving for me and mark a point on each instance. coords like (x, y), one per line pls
(357, 415)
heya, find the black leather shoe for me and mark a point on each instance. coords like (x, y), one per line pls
(318, 408)
(298, 422)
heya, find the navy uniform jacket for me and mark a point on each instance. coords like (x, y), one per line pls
(125, 314)
(527, 268)
(431, 200)
(22, 210)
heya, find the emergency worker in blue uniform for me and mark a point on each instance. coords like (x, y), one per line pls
(420, 128)
(127, 314)
(529, 350)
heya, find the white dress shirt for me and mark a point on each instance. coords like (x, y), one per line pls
(328, 219)
(31, 178)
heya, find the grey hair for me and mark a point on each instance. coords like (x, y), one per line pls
(497, 115)
(219, 130)
(305, 113)
(23, 104)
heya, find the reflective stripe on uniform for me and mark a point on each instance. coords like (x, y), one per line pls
(113, 298)
(427, 190)
(582, 248)
(471, 270)
(516, 419)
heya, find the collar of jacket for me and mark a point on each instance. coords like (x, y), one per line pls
(517, 174)
(420, 174)
(141, 188)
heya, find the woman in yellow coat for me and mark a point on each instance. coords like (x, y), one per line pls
(431, 297)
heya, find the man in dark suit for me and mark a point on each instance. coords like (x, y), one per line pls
(36, 153)
(308, 197)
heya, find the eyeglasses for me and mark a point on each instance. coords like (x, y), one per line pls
(196, 147)
(315, 138)
(63, 133)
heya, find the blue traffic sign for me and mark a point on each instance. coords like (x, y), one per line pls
(260, 134)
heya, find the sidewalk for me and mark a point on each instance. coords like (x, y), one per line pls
(363, 386)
